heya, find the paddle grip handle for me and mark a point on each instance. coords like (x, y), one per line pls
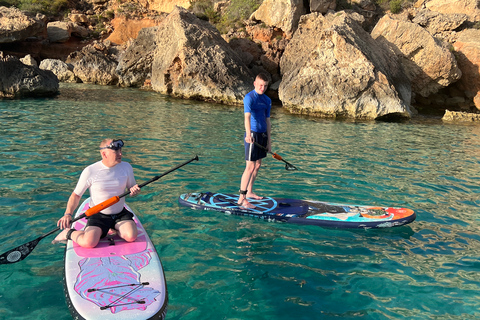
(99, 207)
(276, 156)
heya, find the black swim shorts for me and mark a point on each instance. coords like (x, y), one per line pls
(108, 221)
(254, 152)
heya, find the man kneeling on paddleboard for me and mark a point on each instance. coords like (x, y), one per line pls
(104, 179)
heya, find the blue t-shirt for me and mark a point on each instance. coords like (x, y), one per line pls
(258, 105)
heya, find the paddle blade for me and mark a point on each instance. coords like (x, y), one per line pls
(19, 253)
(290, 167)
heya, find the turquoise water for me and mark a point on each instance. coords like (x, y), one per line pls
(228, 267)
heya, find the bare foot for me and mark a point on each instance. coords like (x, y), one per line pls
(244, 204)
(112, 232)
(61, 237)
(254, 196)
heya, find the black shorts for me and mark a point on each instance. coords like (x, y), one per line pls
(254, 152)
(108, 221)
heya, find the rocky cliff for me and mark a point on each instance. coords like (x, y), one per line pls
(323, 60)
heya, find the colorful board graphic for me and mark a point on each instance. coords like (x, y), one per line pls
(303, 211)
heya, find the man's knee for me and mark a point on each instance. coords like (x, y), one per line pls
(88, 242)
(130, 237)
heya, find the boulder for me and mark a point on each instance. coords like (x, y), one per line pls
(459, 116)
(135, 63)
(19, 80)
(283, 14)
(193, 61)
(95, 63)
(59, 31)
(333, 68)
(63, 71)
(428, 62)
(29, 61)
(79, 18)
(322, 6)
(467, 50)
(16, 25)
(468, 7)
(436, 22)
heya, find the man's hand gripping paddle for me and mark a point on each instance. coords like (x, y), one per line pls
(19, 253)
(288, 166)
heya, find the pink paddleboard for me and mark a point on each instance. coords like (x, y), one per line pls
(116, 279)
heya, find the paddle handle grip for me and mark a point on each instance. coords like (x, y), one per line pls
(99, 207)
(277, 156)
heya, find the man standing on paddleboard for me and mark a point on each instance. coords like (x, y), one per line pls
(257, 107)
(104, 179)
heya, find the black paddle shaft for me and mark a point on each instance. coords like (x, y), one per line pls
(126, 193)
(21, 252)
(288, 165)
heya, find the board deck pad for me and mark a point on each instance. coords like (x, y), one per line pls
(303, 211)
(116, 279)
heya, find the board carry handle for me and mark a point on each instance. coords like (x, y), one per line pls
(21, 252)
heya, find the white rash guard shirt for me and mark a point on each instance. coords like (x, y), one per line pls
(104, 182)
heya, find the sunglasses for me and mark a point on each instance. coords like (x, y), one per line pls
(115, 145)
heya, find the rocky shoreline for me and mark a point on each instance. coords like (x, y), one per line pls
(350, 63)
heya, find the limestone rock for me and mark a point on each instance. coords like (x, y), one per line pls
(58, 31)
(16, 25)
(29, 61)
(20, 80)
(333, 68)
(322, 6)
(135, 64)
(428, 62)
(436, 22)
(163, 5)
(367, 5)
(78, 18)
(193, 61)
(95, 64)
(63, 71)
(248, 50)
(457, 116)
(467, 50)
(468, 7)
(125, 28)
(283, 14)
